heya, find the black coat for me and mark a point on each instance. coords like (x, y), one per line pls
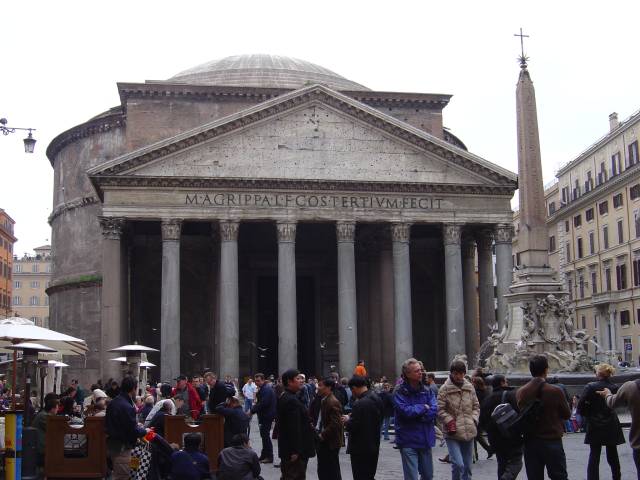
(364, 424)
(603, 426)
(387, 403)
(121, 423)
(265, 405)
(235, 422)
(496, 439)
(218, 394)
(295, 434)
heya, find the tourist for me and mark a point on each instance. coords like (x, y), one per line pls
(386, 395)
(339, 391)
(295, 435)
(235, 419)
(265, 408)
(602, 424)
(481, 392)
(363, 425)
(167, 407)
(239, 461)
(303, 393)
(628, 395)
(249, 393)
(360, 369)
(431, 383)
(508, 450)
(218, 391)
(190, 463)
(329, 431)
(122, 429)
(98, 407)
(113, 389)
(146, 408)
(160, 404)
(40, 424)
(543, 444)
(192, 404)
(80, 393)
(416, 409)
(459, 412)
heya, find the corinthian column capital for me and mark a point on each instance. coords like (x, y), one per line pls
(346, 232)
(504, 233)
(484, 239)
(112, 227)
(229, 230)
(286, 231)
(171, 229)
(401, 232)
(451, 233)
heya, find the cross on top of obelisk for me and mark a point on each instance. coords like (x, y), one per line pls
(523, 58)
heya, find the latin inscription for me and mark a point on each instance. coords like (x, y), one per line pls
(288, 200)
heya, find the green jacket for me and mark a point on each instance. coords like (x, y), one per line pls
(40, 424)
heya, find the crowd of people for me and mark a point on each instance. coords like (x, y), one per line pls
(313, 417)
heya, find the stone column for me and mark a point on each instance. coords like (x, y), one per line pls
(114, 318)
(470, 294)
(170, 300)
(504, 270)
(484, 240)
(347, 311)
(400, 236)
(454, 291)
(287, 307)
(229, 302)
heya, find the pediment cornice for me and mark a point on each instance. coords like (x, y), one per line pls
(493, 174)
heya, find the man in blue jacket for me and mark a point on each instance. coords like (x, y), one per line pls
(265, 407)
(415, 408)
(122, 428)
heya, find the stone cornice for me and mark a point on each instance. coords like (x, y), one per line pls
(596, 194)
(106, 182)
(84, 281)
(71, 205)
(316, 93)
(103, 123)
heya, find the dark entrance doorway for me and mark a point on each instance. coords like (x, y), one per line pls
(306, 301)
(267, 308)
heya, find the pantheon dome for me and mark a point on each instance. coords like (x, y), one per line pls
(260, 70)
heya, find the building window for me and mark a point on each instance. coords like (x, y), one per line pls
(617, 200)
(518, 258)
(567, 251)
(588, 184)
(565, 196)
(34, 301)
(35, 284)
(615, 164)
(636, 222)
(570, 288)
(602, 175)
(576, 190)
(594, 282)
(605, 236)
(36, 321)
(607, 279)
(633, 153)
(583, 321)
(581, 286)
(552, 243)
(580, 251)
(17, 284)
(49, 268)
(589, 214)
(634, 191)
(603, 207)
(577, 220)
(625, 318)
(566, 226)
(46, 301)
(620, 232)
(592, 243)
(17, 300)
(34, 268)
(552, 208)
(621, 276)
(636, 271)
(17, 268)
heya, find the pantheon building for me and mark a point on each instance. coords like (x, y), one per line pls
(259, 212)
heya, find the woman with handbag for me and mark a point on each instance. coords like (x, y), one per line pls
(603, 426)
(459, 412)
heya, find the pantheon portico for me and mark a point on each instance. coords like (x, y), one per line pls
(261, 213)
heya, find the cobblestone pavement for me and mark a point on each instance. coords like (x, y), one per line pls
(390, 466)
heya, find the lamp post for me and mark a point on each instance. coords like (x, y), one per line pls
(29, 141)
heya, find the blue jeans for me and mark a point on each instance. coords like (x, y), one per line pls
(386, 422)
(417, 460)
(461, 458)
(248, 403)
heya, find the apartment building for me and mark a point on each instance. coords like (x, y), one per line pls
(593, 216)
(31, 277)
(7, 241)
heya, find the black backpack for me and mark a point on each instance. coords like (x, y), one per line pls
(531, 414)
(516, 425)
(505, 416)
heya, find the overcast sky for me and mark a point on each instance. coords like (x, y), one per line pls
(61, 61)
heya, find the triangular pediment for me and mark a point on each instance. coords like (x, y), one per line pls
(311, 134)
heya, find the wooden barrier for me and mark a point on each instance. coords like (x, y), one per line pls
(211, 428)
(85, 455)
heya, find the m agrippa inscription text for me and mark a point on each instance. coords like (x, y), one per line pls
(303, 200)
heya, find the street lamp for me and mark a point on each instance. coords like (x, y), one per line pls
(29, 142)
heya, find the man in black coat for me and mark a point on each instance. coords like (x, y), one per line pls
(295, 435)
(218, 391)
(508, 450)
(363, 425)
(265, 408)
(235, 420)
